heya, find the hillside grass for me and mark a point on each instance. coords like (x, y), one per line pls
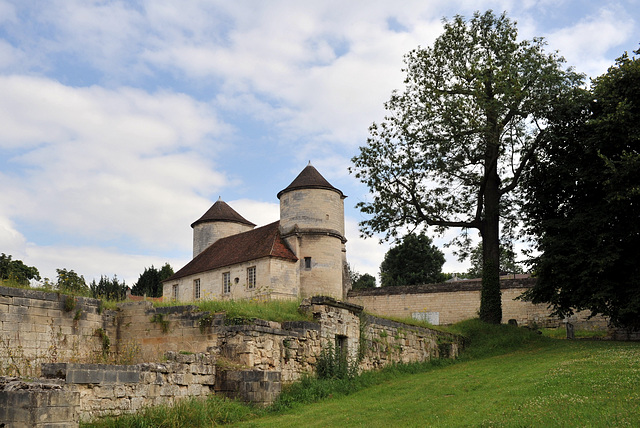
(507, 377)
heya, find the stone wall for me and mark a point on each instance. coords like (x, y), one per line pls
(38, 327)
(116, 389)
(200, 353)
(451, 302)
(37, 404)
(155, 331)
(389, 342)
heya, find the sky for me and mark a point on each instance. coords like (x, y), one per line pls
(122, 122)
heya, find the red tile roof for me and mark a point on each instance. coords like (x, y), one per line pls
(221, 211)
(309, 178)
(255, 244)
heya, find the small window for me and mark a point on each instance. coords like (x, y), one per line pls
(175, 291)
(307, 262)
(226, 283)
(196, 289)
(341, 345)
(251, 277)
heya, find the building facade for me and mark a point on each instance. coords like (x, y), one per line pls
(301, 255)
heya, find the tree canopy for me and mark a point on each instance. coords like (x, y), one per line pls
(453, 145)
(583, 205)
(364, 281)
(16, 270)
(70, 281)
(508, 264)
(360, 281)
(150, 281)
(415, 260)
(108, 288)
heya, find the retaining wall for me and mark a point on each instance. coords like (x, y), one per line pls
(37, 327)
(116, 389)
(39, 404)
(451, 302)
(253, 358)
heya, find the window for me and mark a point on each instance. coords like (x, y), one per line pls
(251, 277)
(175, 291)
(307, 262)
(196, 289)
(341, 345)
(226, 283)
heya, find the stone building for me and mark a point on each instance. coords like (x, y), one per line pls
(301, 255)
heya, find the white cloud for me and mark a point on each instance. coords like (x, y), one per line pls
(92, 262)
(101, 163)
(586, 45)
(364, 255)
(257, 212)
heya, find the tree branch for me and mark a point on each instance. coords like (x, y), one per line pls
(523, 163)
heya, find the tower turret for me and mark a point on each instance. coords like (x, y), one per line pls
(312, 223)
(218, 222)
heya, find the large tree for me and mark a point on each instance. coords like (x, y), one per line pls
(415, 260)
(584, 203)
(16, 270)
(150, 281)
(452, 148)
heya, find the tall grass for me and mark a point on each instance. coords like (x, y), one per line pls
(195, 412)
(272, 310)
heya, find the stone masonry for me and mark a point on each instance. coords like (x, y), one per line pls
(177, 352)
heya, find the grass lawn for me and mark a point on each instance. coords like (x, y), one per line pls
(507, 377)
(550, 383)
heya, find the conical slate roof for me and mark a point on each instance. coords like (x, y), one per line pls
(309, 178)
(220, 211)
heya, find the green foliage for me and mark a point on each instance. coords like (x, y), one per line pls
(69, 303)
(108, 289)
(16, 270)
(104, 339)
(451, 151)
(415, 260)
(150, 281)
(163, 323)
(364, 281)
(490, 295)
(358, 281)
(584, 203)
(70, 282)
(193, 412)
(508, 265)
(334, 363)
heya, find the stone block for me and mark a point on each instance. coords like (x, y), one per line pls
(129, 376)
(85, 376)
(54, 370)
(55, 414)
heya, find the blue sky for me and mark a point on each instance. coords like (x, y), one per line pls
(121, 122)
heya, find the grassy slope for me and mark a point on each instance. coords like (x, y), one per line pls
(507, 377)
(545, 382)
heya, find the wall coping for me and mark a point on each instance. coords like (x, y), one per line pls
(330, 301)
(51, 296)
(444, 287)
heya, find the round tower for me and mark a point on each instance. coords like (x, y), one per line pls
(218, 222)
(312, 223)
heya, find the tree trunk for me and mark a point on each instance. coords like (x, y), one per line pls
(491, 299)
